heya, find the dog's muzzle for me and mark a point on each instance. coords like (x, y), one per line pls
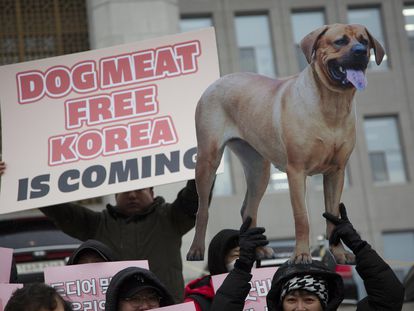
(349, 71)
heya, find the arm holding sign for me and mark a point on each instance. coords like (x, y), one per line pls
(184, 209)
(385, 291)
(73, 219)
(232, 293)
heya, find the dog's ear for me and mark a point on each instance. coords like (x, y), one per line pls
(378, 49)
(308, 43)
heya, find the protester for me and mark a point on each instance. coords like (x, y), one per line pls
(312, 287)
(37, 297)
(92, 251)
(139, 227)
(223, 251)
(137, 289)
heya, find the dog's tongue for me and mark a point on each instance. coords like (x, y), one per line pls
(357, 78)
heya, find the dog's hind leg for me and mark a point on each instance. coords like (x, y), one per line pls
(256, 171)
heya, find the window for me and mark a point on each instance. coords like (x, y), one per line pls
(371, 18)
(399, 251)
(384, 150)
(254, 42)
(224, 182)
(302, 24)
(408, 13)
(317, 180)
(277, 181)
(32, 29)
(194, 23)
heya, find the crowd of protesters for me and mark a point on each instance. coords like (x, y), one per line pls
(142, 226)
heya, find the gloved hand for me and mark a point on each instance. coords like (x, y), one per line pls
(344, 231)
(249, 240)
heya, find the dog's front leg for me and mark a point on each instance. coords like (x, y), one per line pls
(297, 189)
(332, 187)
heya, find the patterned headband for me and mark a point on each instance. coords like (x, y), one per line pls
(314, 285)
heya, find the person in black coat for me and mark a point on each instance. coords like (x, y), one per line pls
(312, 286)
(135, 288)
(92, 251)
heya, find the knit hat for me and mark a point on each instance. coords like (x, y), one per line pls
(313, 284)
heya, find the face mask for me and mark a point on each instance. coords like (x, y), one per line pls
(230, 265)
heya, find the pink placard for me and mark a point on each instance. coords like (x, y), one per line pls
(6, 290)
(103, 121)
(187, 306)
(261, 282)
(85, 285)
(6, 257)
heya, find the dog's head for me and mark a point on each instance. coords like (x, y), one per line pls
(340, 54)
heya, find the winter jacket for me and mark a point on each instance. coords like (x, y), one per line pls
(101, 249)
(201, 290)
(113, 291)
(155, 236)
(385, 291)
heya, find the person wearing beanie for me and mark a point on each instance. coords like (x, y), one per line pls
(312, 287)
(92, 251)
(136, 289)
(223, 251)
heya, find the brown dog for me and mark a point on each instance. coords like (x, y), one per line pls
(304, 125)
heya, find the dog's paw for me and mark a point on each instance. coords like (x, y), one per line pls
(265, 252)
(305, 258)
(341, 256)
(195, 255)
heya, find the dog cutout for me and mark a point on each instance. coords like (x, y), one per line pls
(303, 125)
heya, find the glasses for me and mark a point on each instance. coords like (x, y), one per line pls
(151, 300)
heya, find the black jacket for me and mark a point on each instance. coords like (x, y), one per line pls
(385, 291)
(95, 246)
(112, 294)
(155, 236)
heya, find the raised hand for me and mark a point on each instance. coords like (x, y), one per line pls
(344, 231)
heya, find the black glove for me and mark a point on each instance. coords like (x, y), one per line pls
(249, 240)
(344, 231)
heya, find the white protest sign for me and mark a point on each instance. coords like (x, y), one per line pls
(103, 121)
(6, 290)
(6, 258)
(260, 285)
(187, 306)
(85, 285)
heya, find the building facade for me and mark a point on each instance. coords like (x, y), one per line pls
(262, 36)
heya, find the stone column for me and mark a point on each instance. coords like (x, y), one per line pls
(113, 22)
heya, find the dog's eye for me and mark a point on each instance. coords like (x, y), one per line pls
(364, 41)
(341, 42)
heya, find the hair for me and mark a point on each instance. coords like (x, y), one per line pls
(33, 297)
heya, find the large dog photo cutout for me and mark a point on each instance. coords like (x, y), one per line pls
(303, 125)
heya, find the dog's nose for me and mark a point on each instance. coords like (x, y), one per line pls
(359, 49)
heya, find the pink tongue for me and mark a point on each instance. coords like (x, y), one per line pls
(357, 78)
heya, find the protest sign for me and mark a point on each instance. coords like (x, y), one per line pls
(103, 121)
(260, 285)
(85, 285)
(6, 290)
(6, 257)
(187, 306)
